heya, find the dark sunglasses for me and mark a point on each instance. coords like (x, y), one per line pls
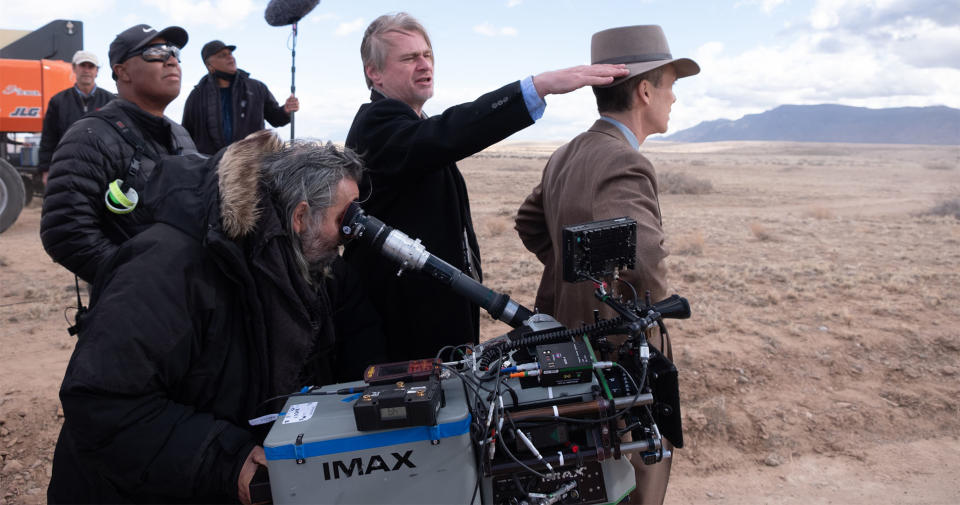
(156, 52)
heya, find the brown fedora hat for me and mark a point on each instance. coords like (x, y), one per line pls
(641, 48)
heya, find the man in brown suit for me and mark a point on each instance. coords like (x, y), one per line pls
(601, 175)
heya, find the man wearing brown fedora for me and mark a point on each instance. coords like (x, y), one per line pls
(599, 175)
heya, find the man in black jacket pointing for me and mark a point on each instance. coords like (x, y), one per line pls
(413, 181)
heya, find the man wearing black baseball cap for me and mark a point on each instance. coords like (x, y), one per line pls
(227, 105)
(106, 157)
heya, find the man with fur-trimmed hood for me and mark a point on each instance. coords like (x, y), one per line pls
(235, 295)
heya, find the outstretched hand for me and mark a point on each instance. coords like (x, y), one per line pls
(557, 82)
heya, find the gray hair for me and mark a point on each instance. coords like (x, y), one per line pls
(373, 49)
(309, 172)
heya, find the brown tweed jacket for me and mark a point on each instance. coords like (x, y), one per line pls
(596, 176)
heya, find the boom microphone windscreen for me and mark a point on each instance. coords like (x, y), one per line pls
(287, 12)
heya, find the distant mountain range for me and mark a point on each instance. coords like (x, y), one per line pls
(834, 123)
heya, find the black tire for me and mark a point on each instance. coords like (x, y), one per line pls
(27, 189)
(12, 195)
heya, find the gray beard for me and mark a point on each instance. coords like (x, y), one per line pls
(311, 270)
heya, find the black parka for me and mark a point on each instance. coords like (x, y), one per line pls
(76, 228)
(194, 322)
(252, 103)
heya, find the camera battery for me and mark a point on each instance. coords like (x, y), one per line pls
(398, 405)
(564, 363)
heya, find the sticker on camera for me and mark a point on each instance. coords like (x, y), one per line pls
(299, 413)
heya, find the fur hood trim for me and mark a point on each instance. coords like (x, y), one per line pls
(239, 181)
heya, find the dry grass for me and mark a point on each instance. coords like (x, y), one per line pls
(681, 183)
(690, 244)
(496, 227)
(819, 213)
(946, 208)
(761, 232)
(848, 322)
(940, 165)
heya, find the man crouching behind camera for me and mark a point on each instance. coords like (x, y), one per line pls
(236, 294)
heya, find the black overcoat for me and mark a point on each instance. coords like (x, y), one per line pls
(414, 185)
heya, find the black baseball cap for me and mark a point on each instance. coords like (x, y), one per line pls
(213, 47)
(136, 37)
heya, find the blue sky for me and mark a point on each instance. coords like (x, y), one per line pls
(754, 54)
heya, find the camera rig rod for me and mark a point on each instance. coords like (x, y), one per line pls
(560, 458)
(412, 255)
(581, 408)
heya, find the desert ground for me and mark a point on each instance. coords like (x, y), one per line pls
(822, 361)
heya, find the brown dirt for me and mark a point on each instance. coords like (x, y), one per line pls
(821, 365)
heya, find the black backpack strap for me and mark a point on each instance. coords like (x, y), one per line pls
(121, 197)
(119, 123)
(81, 310)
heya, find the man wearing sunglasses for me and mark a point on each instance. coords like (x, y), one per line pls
(103, 159)
(227, 105)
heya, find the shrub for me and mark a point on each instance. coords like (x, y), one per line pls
(681, 183)
(689, 245)
(946, 208)
(761, 232)
(819, 213)
(495, 227)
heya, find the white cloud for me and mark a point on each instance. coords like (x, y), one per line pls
(219, 13)
(925, 31)
(866, 15)
(922, 33)
(488, 30)
(865, 53)
(929, 45)
(855, 73)
(766, 5)
(514, 3)
(348, 27)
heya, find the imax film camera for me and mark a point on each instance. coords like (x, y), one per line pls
(543, 414)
